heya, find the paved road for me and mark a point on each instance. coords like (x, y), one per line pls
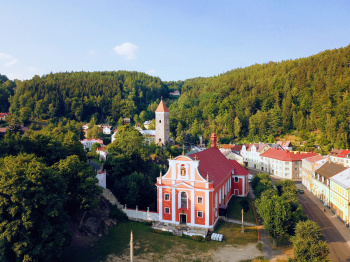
(94, 164)
(339, 249)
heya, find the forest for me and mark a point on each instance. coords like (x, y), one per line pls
(307, 98)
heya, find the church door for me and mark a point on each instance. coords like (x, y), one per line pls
(183, 219)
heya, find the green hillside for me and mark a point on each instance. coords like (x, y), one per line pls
(307, 97)
(262, 101)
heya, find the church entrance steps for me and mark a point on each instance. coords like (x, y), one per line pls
(179, 230)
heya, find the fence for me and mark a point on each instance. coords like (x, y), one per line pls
(133, 214)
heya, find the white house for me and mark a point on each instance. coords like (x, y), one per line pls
(283, 163)
(106, 129)
(87, 143)
(308, 167)
(251, 154)
(101, 176)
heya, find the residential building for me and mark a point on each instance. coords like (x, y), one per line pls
(342, 158)
(175, 93)
(3, 116)
(320, 185)
(286, 145)
(334, 154)
(147, 123)
(283, 163)
(234, 156)
(308, 167)
(102, 152)
(251, 154)
(339, 194)
(197, 186)
(226, 148)
(87, 143)
(106, 129)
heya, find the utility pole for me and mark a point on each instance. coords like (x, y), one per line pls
(131, 247)
(242, 222)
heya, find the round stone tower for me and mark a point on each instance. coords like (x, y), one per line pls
(162, 124)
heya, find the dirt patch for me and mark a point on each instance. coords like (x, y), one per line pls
(229, 253)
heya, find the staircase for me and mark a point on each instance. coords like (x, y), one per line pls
(107, 194)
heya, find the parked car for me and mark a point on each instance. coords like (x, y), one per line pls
(301, 191)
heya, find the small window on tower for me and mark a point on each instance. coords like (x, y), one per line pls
(200, 200)
(160, 121)
(236, 179)
(167, 210)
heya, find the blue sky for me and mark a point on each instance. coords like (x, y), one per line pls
(174, 40)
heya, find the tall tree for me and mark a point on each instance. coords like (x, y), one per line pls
(33, 222)
(308, 243)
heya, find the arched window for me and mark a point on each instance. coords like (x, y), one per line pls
(183, 200)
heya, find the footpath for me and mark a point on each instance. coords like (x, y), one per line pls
(338, 224)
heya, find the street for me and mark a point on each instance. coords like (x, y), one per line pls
(339, 249)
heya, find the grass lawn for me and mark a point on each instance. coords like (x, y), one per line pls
(158, 247)
(234, 209)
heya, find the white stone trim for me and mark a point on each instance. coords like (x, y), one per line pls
(206, 208)
(173, 204)
(193, 221)
(160, 204)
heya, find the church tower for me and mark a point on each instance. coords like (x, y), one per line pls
(162, 124)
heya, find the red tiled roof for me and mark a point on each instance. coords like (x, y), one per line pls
(344, 153)
(313, 159)
(218, 167)
(4, 114)
(335, 152)
(239, 170)
(227, 146)
(162, 107)
(237, 148)
(285, 155)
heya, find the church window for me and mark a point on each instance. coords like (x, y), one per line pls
(183, 200)
(200, 200)
(166, 197)
(160, 121)
(236, 179)
(199, 213)
(167, 210)
(183, 170)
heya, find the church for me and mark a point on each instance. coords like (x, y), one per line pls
(197, 186)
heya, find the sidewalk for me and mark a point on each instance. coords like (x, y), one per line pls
(339, 225)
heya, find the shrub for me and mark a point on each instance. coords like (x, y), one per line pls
(117, 214)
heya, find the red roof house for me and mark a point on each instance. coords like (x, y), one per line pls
(283, 163)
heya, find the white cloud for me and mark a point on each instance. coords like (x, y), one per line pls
(7, 60)
(151, 72)
(126, 50)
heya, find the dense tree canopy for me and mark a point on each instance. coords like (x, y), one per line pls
(308, 243)
(33, 223)
(81, 95)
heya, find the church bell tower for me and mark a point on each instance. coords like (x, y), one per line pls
(162, 124)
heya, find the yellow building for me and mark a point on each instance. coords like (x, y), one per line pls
(339, 194)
